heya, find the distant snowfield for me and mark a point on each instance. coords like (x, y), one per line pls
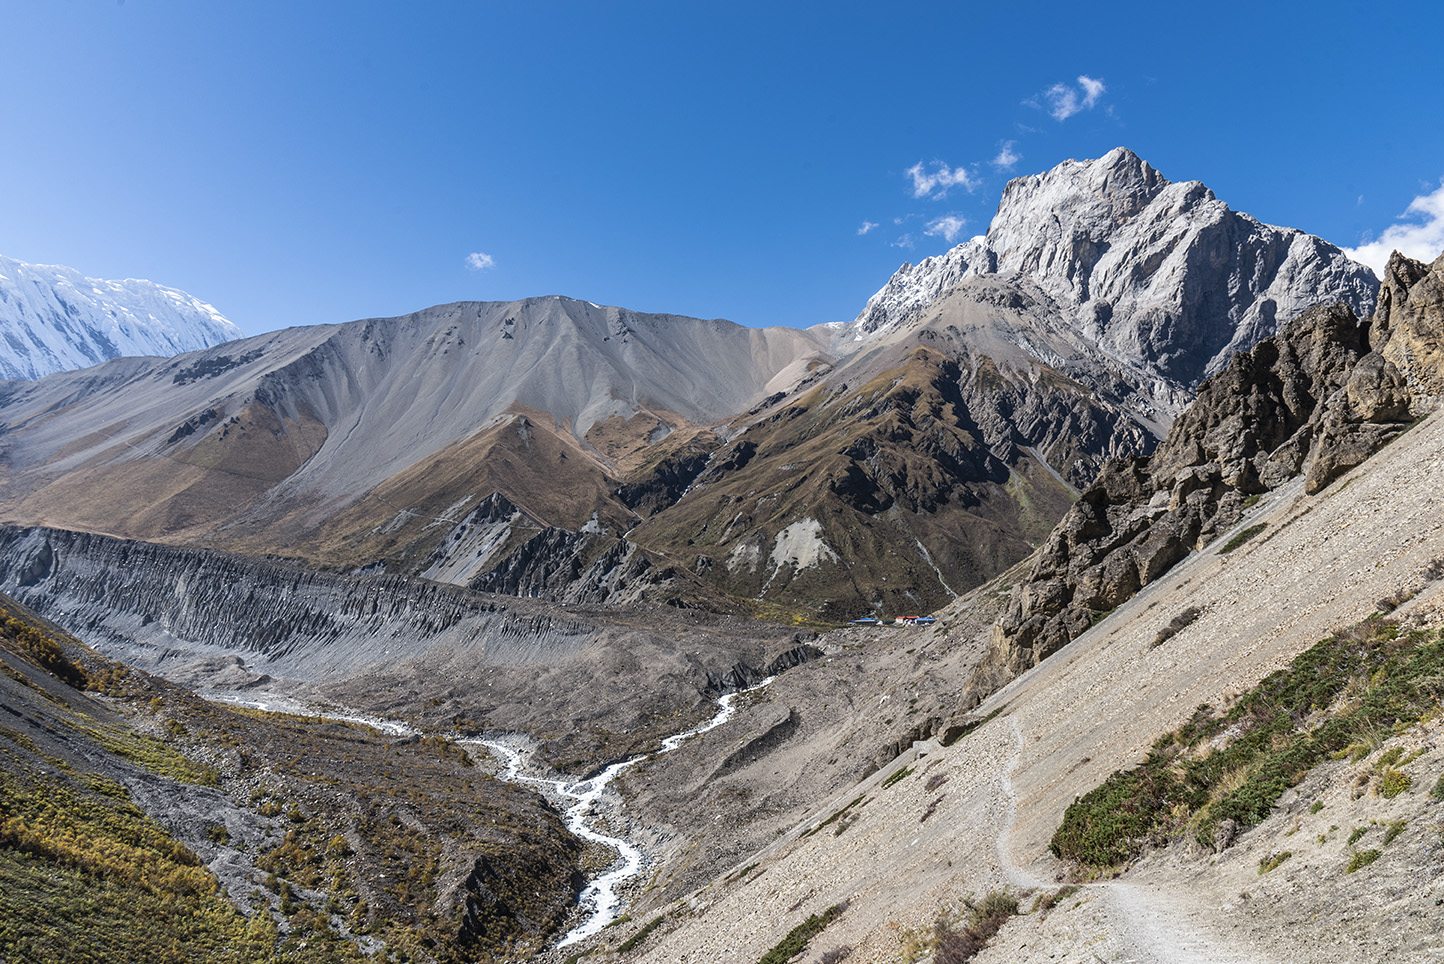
(53, 318)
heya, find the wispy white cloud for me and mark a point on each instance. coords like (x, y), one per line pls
(866, 227)
(906, 241)
(480, 261)
(1420, 235)
(938, 182)
(948, 227)
(1065, 100)
(1007, 158)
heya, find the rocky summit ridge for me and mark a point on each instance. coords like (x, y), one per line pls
(1162, 275)
(52, 319)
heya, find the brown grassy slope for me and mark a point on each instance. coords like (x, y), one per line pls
(194, 485)
(881, 468)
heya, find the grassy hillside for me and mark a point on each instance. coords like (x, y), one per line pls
(146, 824)
(1340, 699)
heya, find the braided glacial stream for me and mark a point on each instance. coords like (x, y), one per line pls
(600, 900)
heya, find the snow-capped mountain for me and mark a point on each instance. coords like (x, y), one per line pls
(53, 318)
(1162, 275)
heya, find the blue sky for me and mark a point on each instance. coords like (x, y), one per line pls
(308, 162)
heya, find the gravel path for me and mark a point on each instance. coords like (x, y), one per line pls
(1127, 921)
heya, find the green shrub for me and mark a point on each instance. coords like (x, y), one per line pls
(1362, 859)
(1393, 601)
(1355, 835)
(1110, 824)
(1176, 625)
(1438, 791)
(641, 935)
(798, 938)
(828, 822)
(1395, 828)
(1393, 782)
(1272, 861)
(1047, 900)
(985, 918)
(1188, 779)
(896, 777)
(1243, 537)
(1317, 806)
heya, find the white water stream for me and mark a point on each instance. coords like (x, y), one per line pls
(600, 900)
(282, 704)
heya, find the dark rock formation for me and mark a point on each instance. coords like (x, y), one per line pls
(742, 676)
(665, 483)
(1409, 323)
(1316, 400)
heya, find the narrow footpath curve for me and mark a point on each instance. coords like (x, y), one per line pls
(1146, 925)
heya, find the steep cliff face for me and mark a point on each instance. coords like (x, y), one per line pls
(1314, 401)
(155, 604)
(1409, 323)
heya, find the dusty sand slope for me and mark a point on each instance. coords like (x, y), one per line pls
(979, 815)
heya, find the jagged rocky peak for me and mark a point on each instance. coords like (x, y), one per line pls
(1162, 275)
(53, 319)
(1078, 194)
(1409, 323)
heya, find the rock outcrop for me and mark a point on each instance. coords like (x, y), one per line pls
(742, 675)
(1316, 400)
(1409, 323)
